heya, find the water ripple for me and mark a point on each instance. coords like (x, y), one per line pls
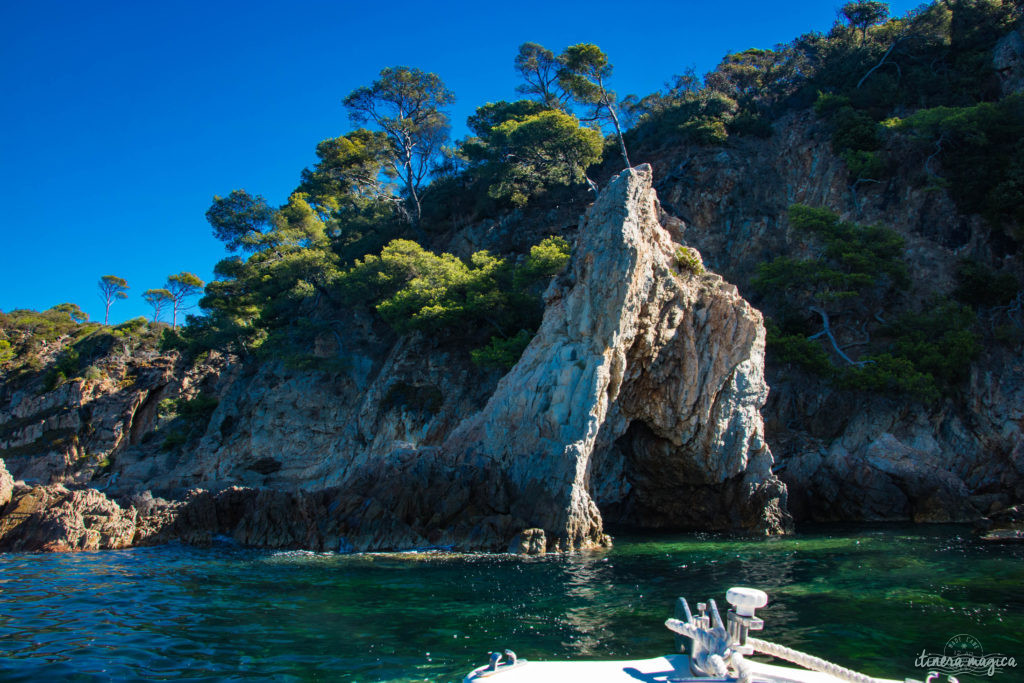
(869, 598)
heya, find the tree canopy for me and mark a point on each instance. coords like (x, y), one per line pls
(180, 287)
(539, 69)
(111, 289)
(157, 298)
(522, 149)
(863, 14)
(406, 104)
(239, 218)
(583, 73)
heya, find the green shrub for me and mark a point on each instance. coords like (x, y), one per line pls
(190, 417)
(828, 104)
(704, 131)
(928, 353)
(857, 261)
(938, 341)
(798, 350)
(197, 410)
(53, 380)
(920, 354)
(544, 260)
(130, 327)
(692, 117)
(863, 165)
(502, 353)
(854, 130)
(6, 351)
(978, 285)
(750, 124)
(173, 340)
(888, 374)
(416, 290)
(167, 408)
(981, 150)
(174, 439)
(688, 260)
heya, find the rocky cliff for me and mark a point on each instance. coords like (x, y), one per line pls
(846, 455)
(644, 384)
(640, 395)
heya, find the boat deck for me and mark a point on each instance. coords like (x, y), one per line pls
(667, 669)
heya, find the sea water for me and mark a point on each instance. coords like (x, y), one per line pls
(872, 599)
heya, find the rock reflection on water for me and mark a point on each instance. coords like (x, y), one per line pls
(591, 593)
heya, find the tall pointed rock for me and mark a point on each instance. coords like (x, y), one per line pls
(645, 380)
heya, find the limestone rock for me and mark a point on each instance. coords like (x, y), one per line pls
(6, 485)
(529, 542)
(1008, 62)
(731, 204)
(55, 519)
(629, 346)
(883, 480)
(640, 392)
(64, 435)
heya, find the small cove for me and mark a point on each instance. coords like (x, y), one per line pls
(867, 597)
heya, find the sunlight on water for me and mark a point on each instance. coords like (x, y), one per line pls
(867, 598)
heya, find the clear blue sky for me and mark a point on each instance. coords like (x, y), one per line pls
(120, 121)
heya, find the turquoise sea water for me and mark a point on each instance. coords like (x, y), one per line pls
(872, 599)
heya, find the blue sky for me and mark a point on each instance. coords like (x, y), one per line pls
(120, 121)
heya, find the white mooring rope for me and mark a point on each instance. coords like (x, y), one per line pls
(809, 661)
(712, 641)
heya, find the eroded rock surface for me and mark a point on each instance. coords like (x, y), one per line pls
(68, 434)
(6, 485)
(845, 455)
(640, 393)
(1008, 61)
(54, 519)
(631, 345)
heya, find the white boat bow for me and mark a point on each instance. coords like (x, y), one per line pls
(717, 654)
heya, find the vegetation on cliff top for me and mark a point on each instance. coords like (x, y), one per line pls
(355, 237)
(59, 344)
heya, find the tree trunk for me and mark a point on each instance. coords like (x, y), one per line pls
(828, 332)
(414, 199)
(615, 121)
(880, 63)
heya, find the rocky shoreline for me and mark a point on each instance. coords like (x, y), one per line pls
(638, 403)
(640, 394)
(58, 518)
